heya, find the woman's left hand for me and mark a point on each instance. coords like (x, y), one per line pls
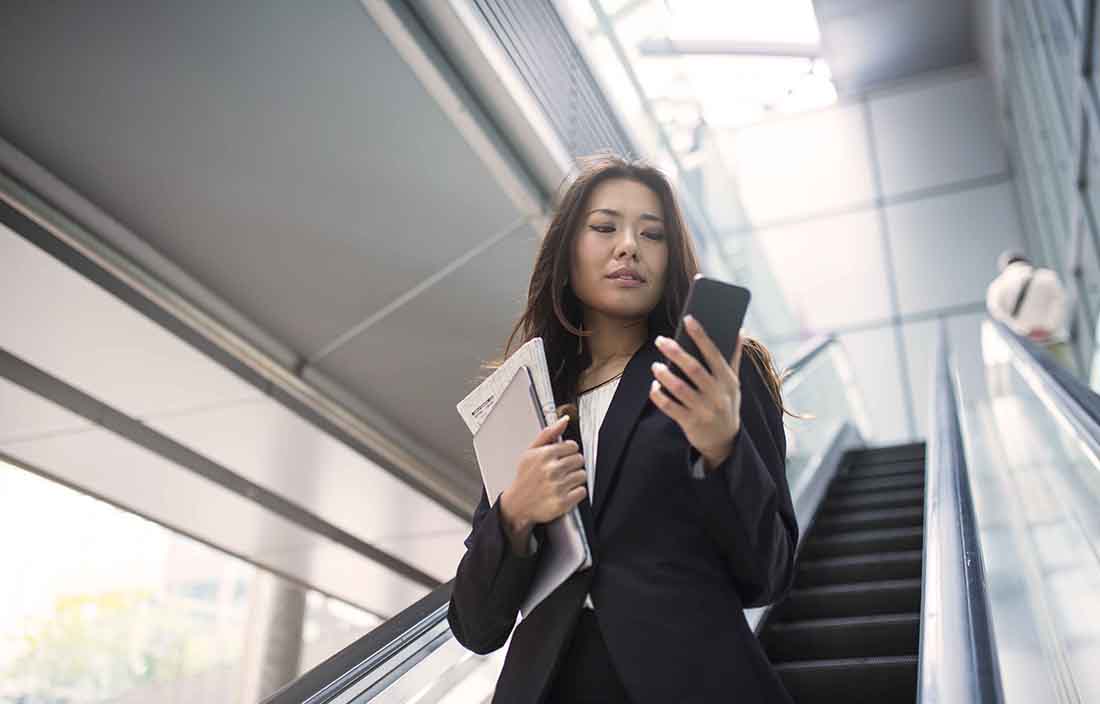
(710, 414)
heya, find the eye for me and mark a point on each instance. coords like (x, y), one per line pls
(655, 236)
(603, 228)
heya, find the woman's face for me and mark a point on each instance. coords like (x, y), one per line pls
(623, 226)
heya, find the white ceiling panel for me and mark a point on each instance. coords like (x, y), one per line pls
(831, 270)
(796, 166)
(869, 42)
(945, 248)
(123, 473)
(937, 135)
(74, 330)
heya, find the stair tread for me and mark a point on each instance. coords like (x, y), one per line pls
(854, 536)
(888, 480)
(883, 470)
(900, 495)
(848, 487)
(844, 622)
(880, 585)
(879, 512)
(870, 558)
(845, 663)
(888, 454)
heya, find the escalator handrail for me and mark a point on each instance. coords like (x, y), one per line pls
(1060, 391)
(807, 352)
(954, 593)
(365, 655)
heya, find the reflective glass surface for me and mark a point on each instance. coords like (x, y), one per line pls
(101, 605)
(1036, 491)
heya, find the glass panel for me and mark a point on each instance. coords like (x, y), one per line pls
(1044, 154)
(874, 357)
(1090, 290)
(827, 394)
(1037, 498)
(102, 605)
(1056, 32)
(1040, 76)
(1092, 175)
(963, 333)
(1077, 7)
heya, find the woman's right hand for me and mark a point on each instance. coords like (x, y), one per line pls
(549, 482)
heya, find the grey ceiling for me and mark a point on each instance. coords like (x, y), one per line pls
(869, 42)
(287, 157)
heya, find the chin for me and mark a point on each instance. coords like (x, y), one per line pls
(618, 310)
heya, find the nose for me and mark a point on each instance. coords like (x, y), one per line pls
(627, 244)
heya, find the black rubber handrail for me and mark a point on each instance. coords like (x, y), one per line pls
(958, 661)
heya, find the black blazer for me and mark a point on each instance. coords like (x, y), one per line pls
(676, 559)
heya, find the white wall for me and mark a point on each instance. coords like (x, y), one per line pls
(878, 217)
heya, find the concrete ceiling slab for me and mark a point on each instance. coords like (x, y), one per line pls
(871, 42)
(284, 154)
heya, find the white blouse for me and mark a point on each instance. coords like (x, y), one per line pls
(592, 406)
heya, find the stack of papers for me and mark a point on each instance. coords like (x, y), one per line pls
(475, 408)
(505, 413)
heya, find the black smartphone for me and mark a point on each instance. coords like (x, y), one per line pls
(720, 308)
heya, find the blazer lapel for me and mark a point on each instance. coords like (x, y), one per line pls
(619, 422)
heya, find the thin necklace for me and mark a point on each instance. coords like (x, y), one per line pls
(602, 383)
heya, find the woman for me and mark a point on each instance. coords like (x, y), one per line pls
(690, 518)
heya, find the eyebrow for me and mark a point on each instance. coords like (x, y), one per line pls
(617, 214)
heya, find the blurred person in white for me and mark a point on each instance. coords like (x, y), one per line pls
(1030, 300)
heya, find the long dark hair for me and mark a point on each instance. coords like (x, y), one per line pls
(554, 312)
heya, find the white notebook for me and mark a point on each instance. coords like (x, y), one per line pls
(505, 432)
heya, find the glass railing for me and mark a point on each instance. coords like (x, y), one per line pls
(958, 662)
(413, 657)
(1033, 452)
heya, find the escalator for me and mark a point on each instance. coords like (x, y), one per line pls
(893, 600)
(851, 624)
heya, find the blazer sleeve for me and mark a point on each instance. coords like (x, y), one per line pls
(746, 501)
(490, 584)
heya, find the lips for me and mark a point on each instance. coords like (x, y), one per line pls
(627, 274)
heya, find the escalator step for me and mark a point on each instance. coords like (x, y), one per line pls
(869, 520)
(898, 453)
(881, 680)
(884, 470)
(875, 500)
(848, 637)
(847, 487)
(844, 600)
(863, 541)
(863, 568)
